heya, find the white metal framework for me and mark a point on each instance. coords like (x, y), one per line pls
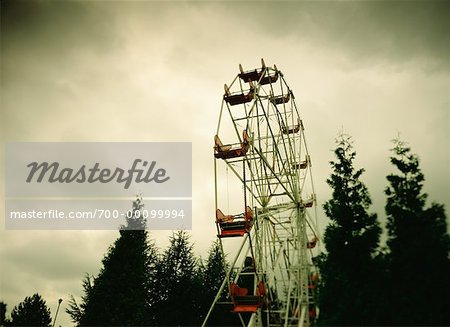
(265, 201)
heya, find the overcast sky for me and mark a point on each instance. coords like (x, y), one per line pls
(154, 71)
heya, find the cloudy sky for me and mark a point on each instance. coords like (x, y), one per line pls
(154, 71)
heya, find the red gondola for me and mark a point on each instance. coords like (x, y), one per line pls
(309, 203)
(312, 311)
(312, 244)
(269, 78)
(280, 99)
(312, 281)
(247, 303)
(261, 75)
(291, 129)
(234, 225)
(302, 164)
(252, 75)
(238, 97)
(231, 151)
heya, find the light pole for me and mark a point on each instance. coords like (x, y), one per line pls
(56, 314)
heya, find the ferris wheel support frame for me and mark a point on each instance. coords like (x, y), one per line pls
(278, 239)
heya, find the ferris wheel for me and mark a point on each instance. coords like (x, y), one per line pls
(265, 203)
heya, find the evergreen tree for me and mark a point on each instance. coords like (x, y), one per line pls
(33, 311)
(122, 293)
(3, 320)
(348, 293)
(418, 247)
(180, 284)
(213, 274)
(76, 311)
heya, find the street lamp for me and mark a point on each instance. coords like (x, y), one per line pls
(56, 314)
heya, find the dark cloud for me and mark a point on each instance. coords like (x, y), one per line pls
(58, 25)
(46, 34)
(365, 31)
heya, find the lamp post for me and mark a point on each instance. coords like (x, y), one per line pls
(56, 314)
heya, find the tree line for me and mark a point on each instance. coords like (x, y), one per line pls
(139, 286)
(405, 282)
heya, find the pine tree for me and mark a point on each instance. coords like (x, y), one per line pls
(3, 320)
(418, 247)
(76, 311)
(214, 271)
(33, 311)
(180, 284)
(213, 274)
(347, 293)
(122, 293)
